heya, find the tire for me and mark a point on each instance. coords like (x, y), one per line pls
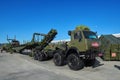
(74, 62)
(58, 58)
(36, 55)
(41, 56)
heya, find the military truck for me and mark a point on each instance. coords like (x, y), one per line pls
(80, 51)
(110, 47)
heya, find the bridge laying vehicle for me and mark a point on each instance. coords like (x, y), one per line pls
(81, 50)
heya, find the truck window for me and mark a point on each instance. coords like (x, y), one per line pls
(90, 35)
(77, 35)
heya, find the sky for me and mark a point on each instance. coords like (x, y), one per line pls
(24, 17)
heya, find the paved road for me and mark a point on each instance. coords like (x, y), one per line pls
(22, 67)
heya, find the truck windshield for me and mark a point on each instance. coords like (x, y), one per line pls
(89, 35)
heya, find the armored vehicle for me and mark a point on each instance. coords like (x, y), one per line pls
(80, 51)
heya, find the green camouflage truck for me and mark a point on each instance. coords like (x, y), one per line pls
(110, 47)
(81, 50)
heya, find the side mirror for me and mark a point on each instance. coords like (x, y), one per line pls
(69, 33)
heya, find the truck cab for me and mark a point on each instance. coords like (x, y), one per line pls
(84, 41)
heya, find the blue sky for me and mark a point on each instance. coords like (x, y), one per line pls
(24, 17)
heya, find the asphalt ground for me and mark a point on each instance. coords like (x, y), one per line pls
(22, 67)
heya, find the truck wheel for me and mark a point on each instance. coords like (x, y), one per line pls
(74, 62)
(41, 56)
(36, 55)
(58, 59)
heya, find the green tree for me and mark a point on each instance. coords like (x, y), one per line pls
(82, 27)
